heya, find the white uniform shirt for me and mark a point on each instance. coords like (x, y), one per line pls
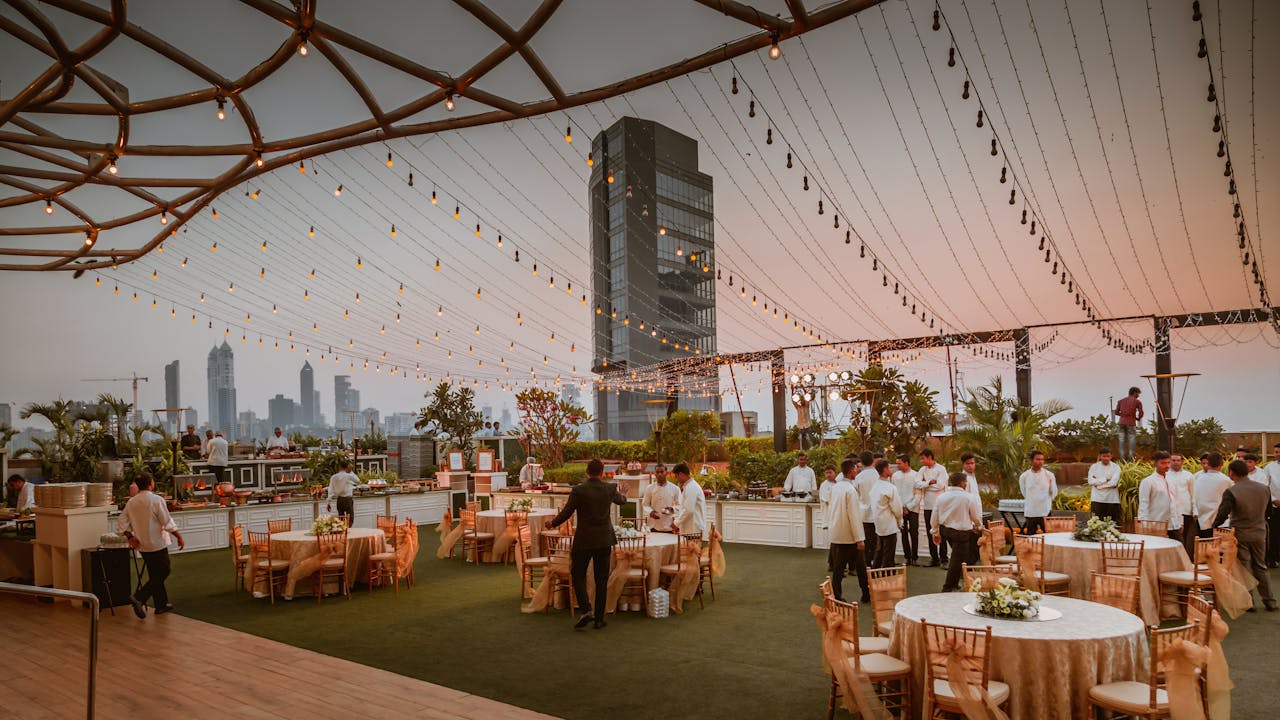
(863, 482)
(801, 480)
(342, 484)
(971, 486)
(147, 517)
(1156, 501)
(1038, 489)
(1104, 481)
(692, 516)
(956, 509)
(1209, 488)
(844, 515)
(1184, 490)
(1273, 478)
(26, 496)
(938, 475)
(824, 499)
(663, 499)
(218, 452)
(531, 474)
(280, 441)
(886, 507)
(1260, 476)
(908, 483)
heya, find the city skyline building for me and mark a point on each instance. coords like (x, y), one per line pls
(221, 374)
(172, 395)
(399, 424)
(346, 400)
(282, 412)
(652, 256)
(307, 395)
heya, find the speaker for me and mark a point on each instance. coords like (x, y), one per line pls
(109, 575)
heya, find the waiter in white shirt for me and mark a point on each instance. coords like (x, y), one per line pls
(691, 517)
(957, 517)
(1210, 485)
(865, 480)
(277, 442)
(146, 522)
(1273, 518)
(934, 477)
(660, 501)
(1104, 487)
(342, 486)
(886, 515)
(1156, 497)
(22, 494)
(1184, 494)
(531, 474)
(217, 457)
(1039, 487)
(800, 479)
(910, 492)
(844, 520)
(824, 505)
(969, 464)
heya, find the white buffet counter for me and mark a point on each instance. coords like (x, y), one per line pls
(766, 522)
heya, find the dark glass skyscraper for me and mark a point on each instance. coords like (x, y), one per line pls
(307, 395)
(222, 390)
(172, 395)
(652, 258)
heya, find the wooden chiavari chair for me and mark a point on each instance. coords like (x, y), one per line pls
(865, 645)
(1060, 523)
(888, 586)
(1122, 558)
(1000, 532)
(1045, 582)
(385, 565)
(238, 555)
(1146, 699)
(939, 700)
(988, 576)
(1154, 528)
(334, 544)
(1179, 583)
(670, 571)
(387, 524)
(276, 570)
(637, 576)
(890, 677)
(1123, 592)
(472, 537)
(279, 526)
(531, 566)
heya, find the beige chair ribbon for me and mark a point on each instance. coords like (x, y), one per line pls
(1181, 661)
(685, 583)
(717, 553)
(1218, 681)
(558, 566)
(505, 540)
(1234, 590)
(623, 562)
(308, 566)
(449, 535)
(855, 688)
(1030, 558)
(406, 547)
(251, 572)
(975, 702)
(986, 547)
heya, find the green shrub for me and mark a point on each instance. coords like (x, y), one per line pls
(1131, 475)
(1075, 499)
(571, 473)
(990, 499)
(684, 435)
(735, 446)
(624, 450)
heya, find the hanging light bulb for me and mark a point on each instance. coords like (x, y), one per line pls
(768, 137)
(535, 269)
(628, 191)
(337, 192)
(819, 206)
(258, 159)
(359, 263)
(775, 51)
(1013, 196)
(393, 230)
(1213, 94)
(806, 182)
(164, 217)
(477, 293)
(964, 95)
(437, 264)
(751, 108)
(568, 134)
(590, 160)
(448, 101)
(312, 232)
(477, 229)
(312, 275)
(410, 179)
(222, 113)
(862, 251)
(951, 57)
(263, 272)
(610, 178)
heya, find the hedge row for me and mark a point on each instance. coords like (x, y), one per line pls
(643, 451)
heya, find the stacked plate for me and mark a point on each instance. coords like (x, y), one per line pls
(99, 494)
(46, 496)
(73, 494)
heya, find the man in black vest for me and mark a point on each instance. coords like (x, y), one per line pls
(594, 539)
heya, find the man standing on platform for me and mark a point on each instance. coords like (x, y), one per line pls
(1209, 488)
(910, 491)
(1129, 412)
(957, 518)
(1104, 487)
(865, 480)
(886, 514)
(1245, 504)
(934, 477)
(800, 479)
(660, 501)
(593, 541)
(844, 520)
(342, 486)
(1156, 500)
(217, 457)
(692, 515)
(1184, 492)
(1039, 488)
(146, 522)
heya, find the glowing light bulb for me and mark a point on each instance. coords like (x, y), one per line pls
(254, 194)
(448, 102)
(48, 207)
(439, 313)
(590, 160)
(568, 134)
(477, 293)
(610, 178)
(264, 246)
(164, 218)
(302, 50)
(477, 229)
(337, 192)
(457, 212)
(359, 263)
(111, 165)
(433, 197)
(775, 52)
(662, 229)
(222, 113)
(302, 167)
(437, 264)
(393, 230)
(258, 160)
(389, 161)
(312, 275)
(499, 241)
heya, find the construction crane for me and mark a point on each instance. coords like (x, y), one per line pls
(137, 414)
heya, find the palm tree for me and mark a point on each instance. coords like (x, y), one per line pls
(1002, 433)
(6, 434)
(120, 408)
(58, 413)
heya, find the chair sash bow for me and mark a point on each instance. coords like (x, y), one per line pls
(1232, 586)
(717, 553)
(975, 702)
(558, 570)
(449, 535)
(623, 562)
(1181, 661)
(685, 583)
(406, 548)
(855, 688)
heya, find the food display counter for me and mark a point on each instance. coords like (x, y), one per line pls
(272, 473)
(503, 498)
(767, 522)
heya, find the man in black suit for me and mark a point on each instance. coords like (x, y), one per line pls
(594, 539)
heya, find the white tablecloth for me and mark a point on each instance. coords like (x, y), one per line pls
(1064, 554)
(495, 521)
(1049, 666)
(297, 545)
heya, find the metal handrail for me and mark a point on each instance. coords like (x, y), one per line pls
(93, 623)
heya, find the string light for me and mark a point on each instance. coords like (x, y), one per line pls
(448, 101)
(775, 51)
(222, 113)
(337, 192)
(48, 207)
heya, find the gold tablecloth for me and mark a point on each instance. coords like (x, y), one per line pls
(495, 521)
(1049, 666)
(297, 545)
(1077, 559)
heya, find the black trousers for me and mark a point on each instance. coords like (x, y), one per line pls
(848, 555)
(886, 547)
(1106, 510)
(157, 563)
(599, 559)
(937, 551)
(963, 546)
(1190, 531)
(910, 535)
(869, 543)
(347, 506)
(219, 473)
(1032, 524)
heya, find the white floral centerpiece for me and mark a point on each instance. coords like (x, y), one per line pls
(1099, 530)
(627, 530)
(1006, 600)
(521, 505)
(327, 524)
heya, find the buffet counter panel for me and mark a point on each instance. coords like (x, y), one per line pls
(268, 474)
(763, 522)
(553, 501)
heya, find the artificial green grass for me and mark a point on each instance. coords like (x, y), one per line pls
(753, 653)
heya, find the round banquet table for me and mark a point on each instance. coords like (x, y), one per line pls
(298, 545)
(1049, 665)
(1077, 558)
(495, 521)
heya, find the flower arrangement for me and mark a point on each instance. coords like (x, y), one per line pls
(627, 530)
(1098, 530)
(1006, 600)
(327, 524)
(520, 505)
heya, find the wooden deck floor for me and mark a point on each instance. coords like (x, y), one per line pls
(171, 666)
